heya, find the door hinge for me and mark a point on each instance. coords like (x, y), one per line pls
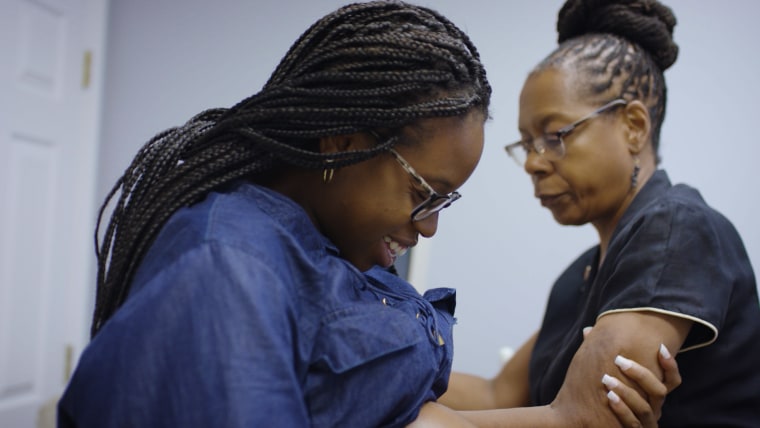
(86, 69)
(68, 362)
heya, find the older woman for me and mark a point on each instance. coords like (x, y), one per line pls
(668, 268)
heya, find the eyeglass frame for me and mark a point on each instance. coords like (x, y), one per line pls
(540, 146)
(427, 207)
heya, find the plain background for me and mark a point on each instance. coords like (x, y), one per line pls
(167, 60)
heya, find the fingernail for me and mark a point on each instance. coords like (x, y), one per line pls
(586, 330)
(664, 352)
(623, 363)
(610, 382)
(613, 397)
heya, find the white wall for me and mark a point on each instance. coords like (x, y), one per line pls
(169, 59)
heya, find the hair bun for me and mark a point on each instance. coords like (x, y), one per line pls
(648, 23)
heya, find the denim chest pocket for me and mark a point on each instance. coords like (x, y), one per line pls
(355, 336)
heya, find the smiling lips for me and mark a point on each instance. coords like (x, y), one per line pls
(394, 248)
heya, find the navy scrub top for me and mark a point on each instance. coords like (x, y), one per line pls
(670, 253)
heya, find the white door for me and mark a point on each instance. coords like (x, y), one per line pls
(49, 98)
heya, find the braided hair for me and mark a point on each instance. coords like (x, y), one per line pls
(383, 64)
(621, 48)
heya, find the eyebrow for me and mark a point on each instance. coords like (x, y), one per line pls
(545, 120)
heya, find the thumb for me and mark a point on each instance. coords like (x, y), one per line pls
(586, 331)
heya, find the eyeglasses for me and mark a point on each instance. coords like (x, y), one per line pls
(551, 145)
(435, 201)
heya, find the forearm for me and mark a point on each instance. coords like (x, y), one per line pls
(435, 415)
(630, 408)
(541, 416)
(469, 392)
(510, 387)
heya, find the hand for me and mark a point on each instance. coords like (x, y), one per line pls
(629, 406)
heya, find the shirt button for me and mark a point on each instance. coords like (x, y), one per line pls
(385, 301)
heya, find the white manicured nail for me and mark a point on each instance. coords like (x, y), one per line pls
(613, 397)
(664, 352)
(610, 382)
(623, 363)
(586, 330)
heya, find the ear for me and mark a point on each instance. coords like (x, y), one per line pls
(333, 143)
(638, 124)
(343, 143)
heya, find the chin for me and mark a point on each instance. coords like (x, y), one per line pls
(566, 220)
(363, 266)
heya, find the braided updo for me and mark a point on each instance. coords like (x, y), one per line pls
(621, 48)
(383, 64)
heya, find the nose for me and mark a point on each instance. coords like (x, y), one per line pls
(427, 226)
(536, 164)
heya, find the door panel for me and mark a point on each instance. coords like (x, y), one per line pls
(47, 176)
(41, 42)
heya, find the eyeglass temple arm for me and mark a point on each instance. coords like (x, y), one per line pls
(593, 114)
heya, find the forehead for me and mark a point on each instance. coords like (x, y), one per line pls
(551, 93)
(447, 149)
(549, 87)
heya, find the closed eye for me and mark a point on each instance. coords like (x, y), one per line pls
(554, 139)
(420, 194)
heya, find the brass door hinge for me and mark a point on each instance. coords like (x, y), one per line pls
(86, 69)
(68, 363)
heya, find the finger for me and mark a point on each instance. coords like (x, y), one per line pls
(629, 406)
(623, 413)
(654, 389)
(670, 369)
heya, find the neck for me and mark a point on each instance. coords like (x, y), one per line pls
(606, 229)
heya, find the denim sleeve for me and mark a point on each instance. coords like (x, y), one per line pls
(189, 350)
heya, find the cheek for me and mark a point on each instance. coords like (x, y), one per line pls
(369, 215)
(598, 183)
(362, 194)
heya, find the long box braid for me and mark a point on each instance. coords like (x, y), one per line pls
(383, 64)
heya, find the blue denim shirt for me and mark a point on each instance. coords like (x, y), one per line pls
(243, 315)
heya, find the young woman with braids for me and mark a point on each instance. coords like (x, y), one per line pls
(668, 268)
(243, 276)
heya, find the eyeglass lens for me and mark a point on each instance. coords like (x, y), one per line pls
(549, 146)
(434, 204)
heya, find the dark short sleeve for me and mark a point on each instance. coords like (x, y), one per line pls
(673, 259)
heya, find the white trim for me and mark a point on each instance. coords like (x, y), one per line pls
(673, 314)
(419, 265)
(96, 33)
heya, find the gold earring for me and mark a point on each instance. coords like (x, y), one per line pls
(327, 174)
